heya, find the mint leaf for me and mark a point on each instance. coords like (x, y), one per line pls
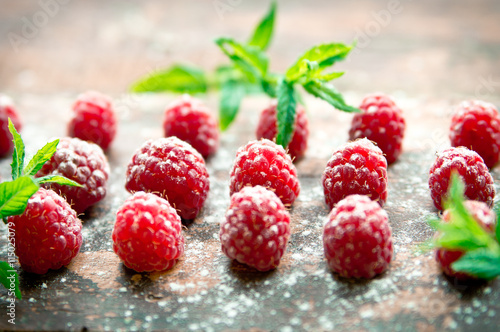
(57, 179)
(264, 30)
(231, 94)
(14, 195)
(497, 231)
(330, 76)
(18, 153)
(463, 232)
(329, 94)
(285, 112)
(178, 79)
(8, 278)
(250, 59)
(40, 158)
(323, 55)
(481, 263)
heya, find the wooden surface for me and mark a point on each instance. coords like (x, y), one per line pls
(429, 56)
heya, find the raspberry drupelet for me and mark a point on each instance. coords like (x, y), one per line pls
(356, 168)
(256, 229)
(7, 110)
(485, 217)
(83, 162)
(266, 164)
(48, 235)
(470, 167)
(147, 235)
(382, 122)
(172, 169)
(267, 128)
(357, 238)
(191, 121)
(476, 125)
(93, 119)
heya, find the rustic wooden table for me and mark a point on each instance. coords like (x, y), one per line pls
(428, 55)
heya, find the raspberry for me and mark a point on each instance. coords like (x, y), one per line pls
(48, 235)
(381, 122)
(267, 128)
(445, 257)
(476, 125)
(357, 238)
(83, 162)
(256, 229)
(470, 167)
(191, 121)
(7, 111)
(147, 234)
(357, 168)
(172, 169)
(94, 119)
(267, 164)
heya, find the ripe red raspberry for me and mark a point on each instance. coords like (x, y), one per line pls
(172, 169)
(147, 234)
(266, 164)
(256, 229)
(191, 121)
(83, 162)
(381, 122)
(445, 257)
(357, 238)
(476, 125)
(48, 235)
(470, 167)
(267, 128)
(357, 168)
(7, 111)
(93, 119)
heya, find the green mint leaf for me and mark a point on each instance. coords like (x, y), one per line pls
(14, 195)
(481, 263)
(329, 94)
(496, 209)
(10, 279)
(249, 59)
(285, 114)
(324, 55)
(264, 31)
(40, 158)
(231, 95)
(330, 76)
(18, 153)
(497, 231)
(57, 179)
(178, 79)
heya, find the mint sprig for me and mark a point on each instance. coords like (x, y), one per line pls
(234, 81)
(178, 79)
(482, 249)
(14, 195)
(308, 71)
(285, 111)
(18, 153)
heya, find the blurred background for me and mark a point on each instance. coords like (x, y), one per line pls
(441, 49)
